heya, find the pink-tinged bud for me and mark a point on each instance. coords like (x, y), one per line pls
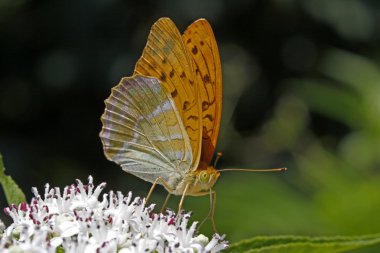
(171, 221)
(23, 207)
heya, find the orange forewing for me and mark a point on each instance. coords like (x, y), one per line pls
(200, 42)
(166, 57)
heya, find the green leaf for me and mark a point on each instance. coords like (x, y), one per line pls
(303, 244)
(13, 193)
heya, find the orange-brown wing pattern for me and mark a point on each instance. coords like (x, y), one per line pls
(200, 41)
(166, 58)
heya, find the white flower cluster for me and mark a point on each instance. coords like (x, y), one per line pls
(75, 220)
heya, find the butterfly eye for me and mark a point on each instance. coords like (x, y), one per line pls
(204, 177)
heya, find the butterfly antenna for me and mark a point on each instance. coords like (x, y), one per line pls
(256, 170)
(218, 156)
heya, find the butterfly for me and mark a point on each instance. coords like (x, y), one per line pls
(162, 123)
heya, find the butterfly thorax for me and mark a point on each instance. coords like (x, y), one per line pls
(200, 182)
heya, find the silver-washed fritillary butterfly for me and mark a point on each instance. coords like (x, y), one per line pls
(162, 123)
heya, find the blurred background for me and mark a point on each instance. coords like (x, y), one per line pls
(301, 90)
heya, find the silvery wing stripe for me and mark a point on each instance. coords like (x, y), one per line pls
(143, 132)
(157, 95)
(162, 120)
(135, 129)
(153, 125)
(122, 111)
(166, 106)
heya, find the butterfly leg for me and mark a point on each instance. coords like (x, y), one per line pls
(182, 198)
(211, 212)
(159, 179)
(166, 201)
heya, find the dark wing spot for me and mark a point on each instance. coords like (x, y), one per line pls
(205, 106)
(163, 77)
(183, 74)
(171, 74)
(186, 105)
(152, 65)
(192, 129)
(206, 133)
(202, 43)
(192, 117)
(164, 61)
(174, 94)
(206, 78)
(194, 50)
(188, 41)
(208, 116)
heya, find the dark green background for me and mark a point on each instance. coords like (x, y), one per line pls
(301, 90)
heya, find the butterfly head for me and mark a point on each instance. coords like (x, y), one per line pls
(204, 180)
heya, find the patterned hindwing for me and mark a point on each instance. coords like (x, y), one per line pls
(166, 58)
(143, 132)
(200, 41)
